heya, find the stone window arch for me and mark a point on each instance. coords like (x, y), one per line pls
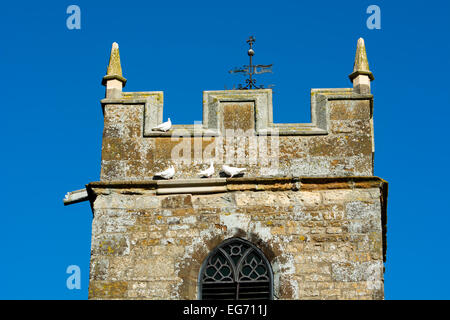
(236, 270)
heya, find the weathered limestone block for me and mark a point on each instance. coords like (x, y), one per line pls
(238, 116)
(123, 121)
(111, 244)
(108, 290)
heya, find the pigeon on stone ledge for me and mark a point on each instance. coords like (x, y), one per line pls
(232, 171)
(208, 172)
(165, 126)
(166, 174)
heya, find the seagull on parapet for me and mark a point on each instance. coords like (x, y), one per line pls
(208, 172)
(166, 174)
(232, 171)
(165, 126)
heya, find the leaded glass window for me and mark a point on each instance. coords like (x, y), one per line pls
(235, 270)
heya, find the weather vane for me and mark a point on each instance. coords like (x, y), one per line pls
(251, 69)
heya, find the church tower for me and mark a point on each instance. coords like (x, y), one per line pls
(305, 220)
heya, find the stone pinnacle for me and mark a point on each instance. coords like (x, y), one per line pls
(361, 65)
(114, 70)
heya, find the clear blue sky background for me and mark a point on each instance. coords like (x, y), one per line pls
(52, 120)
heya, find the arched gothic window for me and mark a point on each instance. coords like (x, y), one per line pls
(236, 270)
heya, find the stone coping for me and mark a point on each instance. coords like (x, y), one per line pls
(250, 183)
(218, 185)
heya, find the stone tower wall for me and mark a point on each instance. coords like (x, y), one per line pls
(323, 237)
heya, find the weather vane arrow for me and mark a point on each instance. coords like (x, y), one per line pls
(251, 69)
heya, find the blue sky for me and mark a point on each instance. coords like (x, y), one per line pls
(51, 136)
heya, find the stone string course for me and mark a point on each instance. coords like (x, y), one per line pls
(323, 238)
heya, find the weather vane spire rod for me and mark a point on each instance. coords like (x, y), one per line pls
(251, 69)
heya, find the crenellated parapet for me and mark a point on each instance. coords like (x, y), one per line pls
(238, 129)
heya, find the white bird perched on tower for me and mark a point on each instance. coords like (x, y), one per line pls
(232, 171)
(165, 126)
(166, 174)
(208, 172)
